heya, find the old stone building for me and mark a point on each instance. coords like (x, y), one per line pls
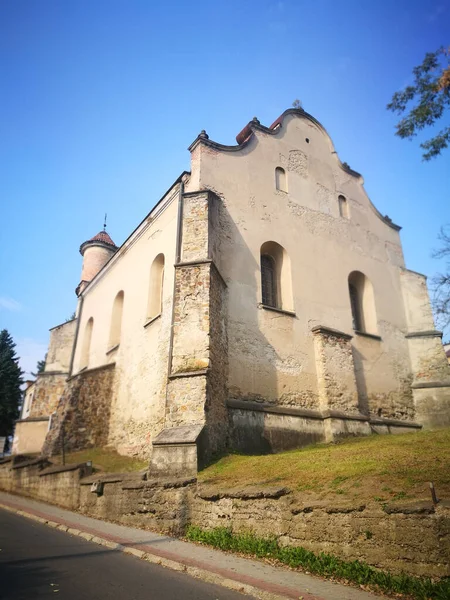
(262, 304)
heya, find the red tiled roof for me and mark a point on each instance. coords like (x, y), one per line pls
(102, 236)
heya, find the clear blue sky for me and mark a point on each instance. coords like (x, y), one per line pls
(100, 99)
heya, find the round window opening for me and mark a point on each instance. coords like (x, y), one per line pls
(307, 140)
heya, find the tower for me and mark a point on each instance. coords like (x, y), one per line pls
(95, 252)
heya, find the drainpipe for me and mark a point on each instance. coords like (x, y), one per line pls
(177, 260)
(77, 329)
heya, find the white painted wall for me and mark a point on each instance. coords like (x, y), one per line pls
(141, 357)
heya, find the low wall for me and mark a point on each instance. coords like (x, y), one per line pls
(413, 538)
(39, 479)
(258, 427)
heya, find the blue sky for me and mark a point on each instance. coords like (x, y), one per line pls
(101, 98)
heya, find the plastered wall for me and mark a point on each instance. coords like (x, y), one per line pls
(60, 347)
(271, 355)
(138, 398)
(29, 436)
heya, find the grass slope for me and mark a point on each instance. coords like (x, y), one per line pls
(104, 460)
(382, 468)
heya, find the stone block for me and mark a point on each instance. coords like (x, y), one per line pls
(175, 452)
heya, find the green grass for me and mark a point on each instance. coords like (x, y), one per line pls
(105, 460)
(323, 564)
(391, 467)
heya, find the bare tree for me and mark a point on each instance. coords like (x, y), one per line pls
(440, 284)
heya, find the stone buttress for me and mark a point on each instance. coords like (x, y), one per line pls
(338, 393)
(196, 419)
(429, 365)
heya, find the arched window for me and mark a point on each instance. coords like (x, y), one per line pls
(86, 347)
(362, 303)
(155, 294)
(343, 207)
(116, 321)
(276, 284)
(268, 281)
(356, 308)
(280, 179)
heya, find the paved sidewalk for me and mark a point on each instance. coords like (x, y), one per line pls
(249, 576)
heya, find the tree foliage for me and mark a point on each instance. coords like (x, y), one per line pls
(10, 382)
(441, 282)
(430, 94)
(40, 366)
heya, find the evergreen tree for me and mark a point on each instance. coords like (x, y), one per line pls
(10, 382)
(40, 366)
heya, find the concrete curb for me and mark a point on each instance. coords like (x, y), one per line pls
(264, 591)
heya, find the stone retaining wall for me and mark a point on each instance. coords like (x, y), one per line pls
(38, 478)
(413, 538)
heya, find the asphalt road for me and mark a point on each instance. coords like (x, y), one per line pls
(38, 562)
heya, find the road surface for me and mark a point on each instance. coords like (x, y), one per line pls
(38, 563)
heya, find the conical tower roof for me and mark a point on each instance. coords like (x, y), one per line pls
(101, 239)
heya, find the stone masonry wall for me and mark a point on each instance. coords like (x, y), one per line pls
(38, 478)
(414, 538)
(197, 386)
(410, 538)
(195, 244)
(48, 390)
(83, 411)
(186, 401)
(216, 411)
(191, 319)
(335, 370)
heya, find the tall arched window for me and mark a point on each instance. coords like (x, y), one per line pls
(116, 321)
(362, 303)
(355, 306)
(276, 284)
(155, 294)
(86, 347)
(268, 281)
(343, 207)
(280, 179)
